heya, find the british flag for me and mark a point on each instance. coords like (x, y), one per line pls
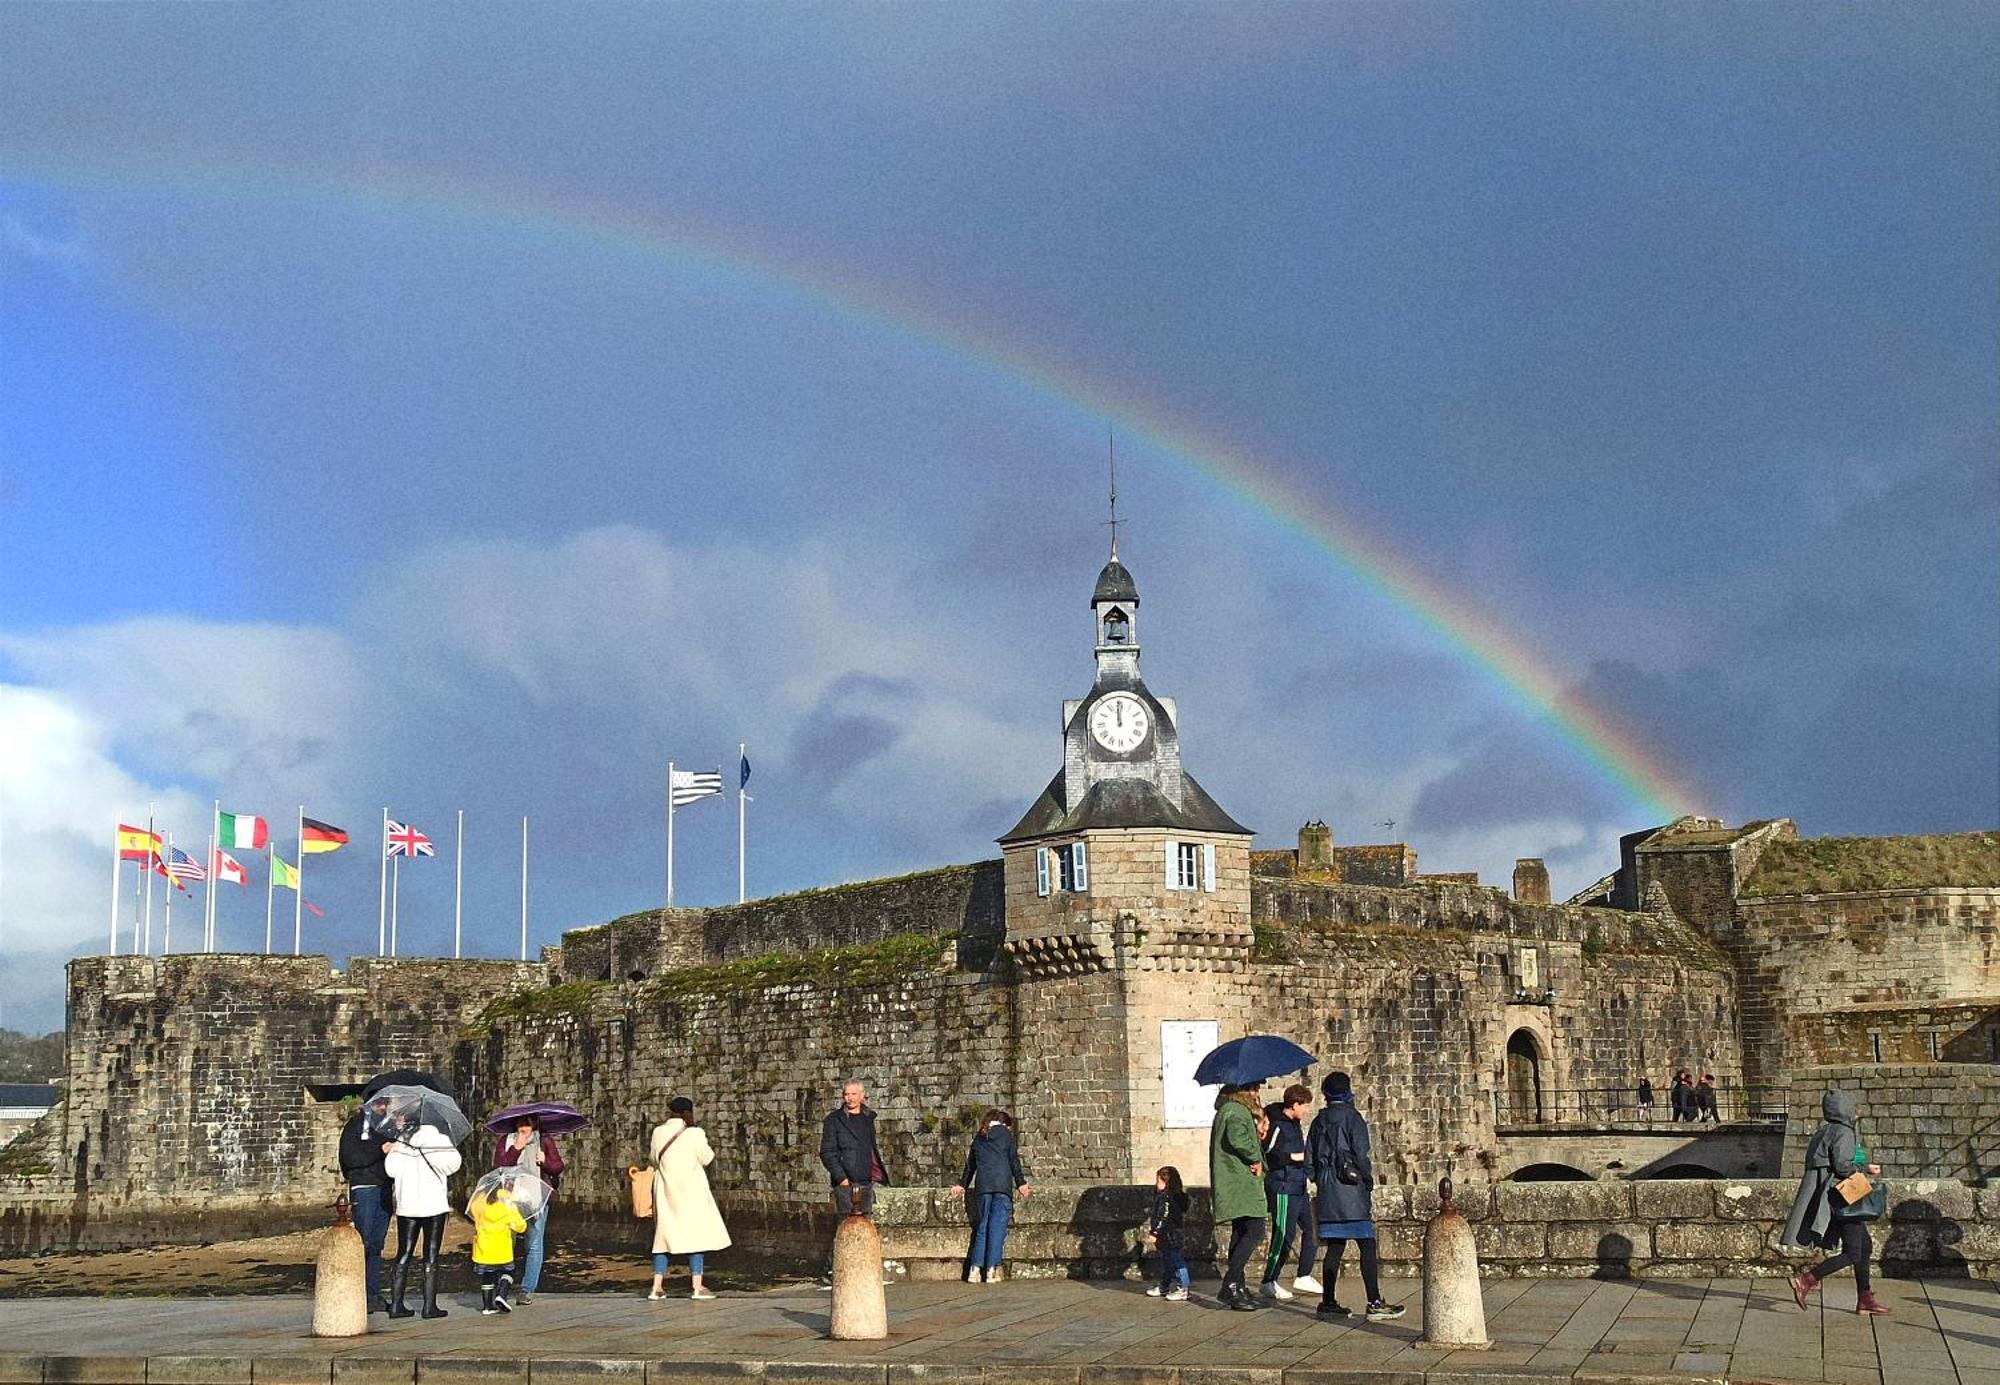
(405, 840)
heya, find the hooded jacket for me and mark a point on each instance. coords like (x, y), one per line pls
(1284, 1153)
(1833, 1153)
(1339, 1129)
(419, 1165)
(1232, 1149)
(993, 1164)
(361, 1154)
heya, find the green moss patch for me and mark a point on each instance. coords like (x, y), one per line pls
(1841, 865)
(570, 998)
(866, 964)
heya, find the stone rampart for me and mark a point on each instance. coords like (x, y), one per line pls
(1918, 1120)
(187, 1114)
(1664, 1229)
(964, 900)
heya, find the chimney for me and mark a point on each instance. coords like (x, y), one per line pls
(1531, 881)
(1315, 847)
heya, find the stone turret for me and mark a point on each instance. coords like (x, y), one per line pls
(1531, 881)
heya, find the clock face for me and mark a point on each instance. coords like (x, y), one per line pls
(1119, 723)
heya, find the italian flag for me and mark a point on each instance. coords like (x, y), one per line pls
(241, 830)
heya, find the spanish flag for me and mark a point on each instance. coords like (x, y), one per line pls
(137, 844)
(316, 836)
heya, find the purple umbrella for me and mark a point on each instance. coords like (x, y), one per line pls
(555, 1117)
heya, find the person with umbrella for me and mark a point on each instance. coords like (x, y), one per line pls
(366, 1137)
(1235, 1153)
(418, 1163)
(527, 1140)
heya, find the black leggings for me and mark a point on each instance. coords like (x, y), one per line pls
(1855, 1248)
(1245, 1235)
(406, 1239)
(1371, 1266)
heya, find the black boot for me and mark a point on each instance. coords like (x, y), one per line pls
(1242, 1300)
(486, 1307)
(399, 1284)
(431, 1309)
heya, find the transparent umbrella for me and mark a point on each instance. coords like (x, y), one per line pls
(394, 1111)
(522, 1187)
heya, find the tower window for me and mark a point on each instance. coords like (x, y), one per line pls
(1191, 866)
(1062, 868)
(1117, 629)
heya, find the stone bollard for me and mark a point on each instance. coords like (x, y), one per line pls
(860, 1311)
(340, 1281)
(1454, 1312)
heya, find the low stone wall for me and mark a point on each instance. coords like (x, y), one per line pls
(1667, 1229)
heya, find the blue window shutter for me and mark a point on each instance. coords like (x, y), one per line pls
(1042, 871)
(1208, 866)
(1080, 860)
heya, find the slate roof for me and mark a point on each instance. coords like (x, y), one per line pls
(1115, 584)
(1123, 803)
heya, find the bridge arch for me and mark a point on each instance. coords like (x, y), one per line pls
(1550, 1173)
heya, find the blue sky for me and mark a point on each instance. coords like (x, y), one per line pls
(1667, 334)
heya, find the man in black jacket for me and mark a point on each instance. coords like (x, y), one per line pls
(852, 1158)
(1285, 1193)
(368, 1197)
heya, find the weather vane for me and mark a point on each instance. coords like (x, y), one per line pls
(1111, 441)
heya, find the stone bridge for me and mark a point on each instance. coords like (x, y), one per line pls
(1551, 1151)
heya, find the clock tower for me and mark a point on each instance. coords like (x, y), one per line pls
(1127, 896)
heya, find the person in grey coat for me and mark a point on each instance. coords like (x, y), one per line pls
(1819, 1219)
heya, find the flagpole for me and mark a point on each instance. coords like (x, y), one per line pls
(167, 927)
(670, 834)
(458, 893)
(151, 846)
(524, 887)
(138, 883)
(116, 839)
(208, 880)
(270, 893)
(395, 892)
(741, 759)
(381, 906)
(299, 904)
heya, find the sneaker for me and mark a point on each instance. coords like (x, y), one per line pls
(1176, 1295)
(1379, 1311)
(1329, 1309)
(656, 1296)
(1156, 1292)
(1273, 1289)
(488, 1312)
(972, 1276)
(702, 1294)
(825, 1284)
(1306, 1284)
(524, 1297)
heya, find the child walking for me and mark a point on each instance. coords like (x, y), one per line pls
(1166, 1228)
(496, 1221)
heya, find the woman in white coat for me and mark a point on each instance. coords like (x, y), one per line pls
(686, 1220)
(418, 1165)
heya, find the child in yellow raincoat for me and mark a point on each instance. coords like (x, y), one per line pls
(496, 1221)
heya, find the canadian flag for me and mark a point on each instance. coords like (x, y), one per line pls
(226, 869)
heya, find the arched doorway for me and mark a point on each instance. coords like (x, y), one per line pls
(1524, 1077)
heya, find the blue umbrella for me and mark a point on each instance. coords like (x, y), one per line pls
(1252, 1058)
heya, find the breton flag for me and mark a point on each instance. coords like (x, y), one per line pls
(181, 866)
(743, 773)
(316, 836)
(690, 784)
(137, 844)
(227, 870)
(406, 840)
(241, 830)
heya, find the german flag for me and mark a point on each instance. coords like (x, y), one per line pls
(316, 836)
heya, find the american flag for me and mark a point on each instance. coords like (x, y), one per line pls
(181, 866)
(688, 785)
(405, 840)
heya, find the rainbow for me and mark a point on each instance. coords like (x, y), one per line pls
(1525, 678)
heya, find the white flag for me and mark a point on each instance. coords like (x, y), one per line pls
(689, 784)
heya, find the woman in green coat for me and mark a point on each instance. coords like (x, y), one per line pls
(1236, 1182)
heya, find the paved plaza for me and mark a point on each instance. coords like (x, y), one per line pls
(1943, 1332)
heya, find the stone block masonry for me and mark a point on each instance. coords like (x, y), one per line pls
(187, 1115)
(1918, 1120)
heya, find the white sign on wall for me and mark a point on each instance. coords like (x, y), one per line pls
(1183, 1044)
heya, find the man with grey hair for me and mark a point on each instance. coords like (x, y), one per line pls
(853, 1159)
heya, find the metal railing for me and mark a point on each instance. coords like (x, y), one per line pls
(1621, 1106)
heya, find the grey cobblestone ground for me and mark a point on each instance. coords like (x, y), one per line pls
(1943, 1332)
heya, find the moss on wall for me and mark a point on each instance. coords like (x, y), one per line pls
(1842, 865)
